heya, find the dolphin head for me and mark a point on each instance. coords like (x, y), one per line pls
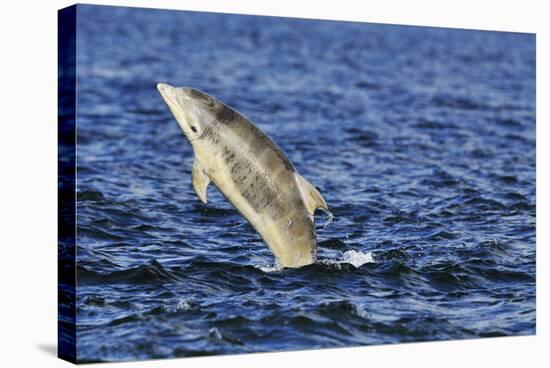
(194, 110)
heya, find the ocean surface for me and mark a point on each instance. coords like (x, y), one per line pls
(421, 140)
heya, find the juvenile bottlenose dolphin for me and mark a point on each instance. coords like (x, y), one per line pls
(251, 171)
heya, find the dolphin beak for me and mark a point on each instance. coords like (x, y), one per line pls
(173, 98)
(163, 88)
(167, 92)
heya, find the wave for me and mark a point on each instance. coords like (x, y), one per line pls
(90, 195)
(152, 273)
(487, 263)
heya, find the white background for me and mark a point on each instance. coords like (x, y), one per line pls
(28, 181)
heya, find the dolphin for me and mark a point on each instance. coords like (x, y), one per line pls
(251, 171)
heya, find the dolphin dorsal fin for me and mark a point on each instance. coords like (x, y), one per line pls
(200, 181)
(311, 196)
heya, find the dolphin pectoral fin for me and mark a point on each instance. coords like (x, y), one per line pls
(311, 196)
(200, 181)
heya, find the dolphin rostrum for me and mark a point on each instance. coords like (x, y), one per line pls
(251, 171)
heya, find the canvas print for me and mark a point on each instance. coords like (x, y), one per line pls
(236, 184)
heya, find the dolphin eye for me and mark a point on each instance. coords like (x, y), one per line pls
(193, 129)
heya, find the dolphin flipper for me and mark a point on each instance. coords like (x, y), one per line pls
(200, 181)
(311, 196)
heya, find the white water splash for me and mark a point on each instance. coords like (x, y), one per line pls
(183, 305)
(215, 334)
(357, 258)
(353, 257)
(330, 217)
(269, 268)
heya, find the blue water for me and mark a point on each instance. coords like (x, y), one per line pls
(421, 140)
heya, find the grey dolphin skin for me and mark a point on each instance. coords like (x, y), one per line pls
(251, 171)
